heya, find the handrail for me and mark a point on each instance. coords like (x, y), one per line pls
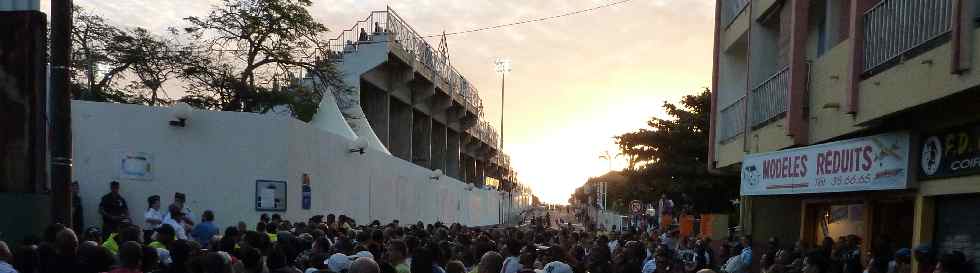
(732, 120)
(768, 99)
(770, 78)
(894, 28)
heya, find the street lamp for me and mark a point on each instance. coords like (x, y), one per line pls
(502, 66)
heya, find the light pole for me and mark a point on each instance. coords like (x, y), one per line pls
(503, 67)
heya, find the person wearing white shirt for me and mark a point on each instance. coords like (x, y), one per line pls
(5, 257)
(513, 263)
(170, 220)
(613, 243)
(152, 216)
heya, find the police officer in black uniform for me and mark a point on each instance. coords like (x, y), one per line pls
(113, 209)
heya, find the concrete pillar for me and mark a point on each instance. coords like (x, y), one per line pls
(421, 139)
(439, 147)
(452, 155)
(796, 122)
(469, 166)
(481, 175)
(400, 130)
(375, 103)
(924, 226)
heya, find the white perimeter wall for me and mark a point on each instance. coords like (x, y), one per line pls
(218, 157)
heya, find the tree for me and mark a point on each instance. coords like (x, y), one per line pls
(246, 50)
(155, 60)
(671, 157)
(95, 61)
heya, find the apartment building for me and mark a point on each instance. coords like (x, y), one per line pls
(851, 117)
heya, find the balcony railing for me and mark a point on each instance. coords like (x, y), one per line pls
(730, 10)
(732, 120)
(894, 27)
(769, 98)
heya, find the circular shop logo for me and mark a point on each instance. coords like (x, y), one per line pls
(931, 155)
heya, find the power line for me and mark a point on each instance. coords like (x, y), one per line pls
(480, 29)
(532, 20)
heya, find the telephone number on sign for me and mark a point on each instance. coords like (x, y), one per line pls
(849, 180)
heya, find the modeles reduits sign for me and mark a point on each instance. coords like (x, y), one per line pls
(877, 162)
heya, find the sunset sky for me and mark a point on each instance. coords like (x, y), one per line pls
(577, 81)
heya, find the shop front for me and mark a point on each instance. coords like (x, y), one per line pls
(858, 186)
(949, 171)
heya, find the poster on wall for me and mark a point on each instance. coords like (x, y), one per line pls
(953, 152)
(878, 162)
(270, 195)
(307, 192)
(136, 166)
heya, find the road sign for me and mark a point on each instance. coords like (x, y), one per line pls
(636, 206)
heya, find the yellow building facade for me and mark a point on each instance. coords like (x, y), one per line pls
(797, 79)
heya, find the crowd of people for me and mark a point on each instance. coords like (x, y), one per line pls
(171, 241)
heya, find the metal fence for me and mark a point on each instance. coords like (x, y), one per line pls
(396, 31)
(769, 98)
(730, 10)
(732, 120)
(894, 27)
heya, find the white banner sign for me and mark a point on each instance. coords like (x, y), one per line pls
(877, 162)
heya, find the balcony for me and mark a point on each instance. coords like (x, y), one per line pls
(730, 9)
(732, 120)
(769, 99)
(894, 29)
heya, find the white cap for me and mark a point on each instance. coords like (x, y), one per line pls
(338, 262)
(557, 267)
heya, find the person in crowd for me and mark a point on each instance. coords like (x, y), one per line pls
(455, 266)
(205, 230)
(512, 263)
(613, 243)
(153, 217)
(528, 256)
(242, 227)
(62, 256)
(180, 201)
(852, 255)
(151, 260)
(5, 258)
(130, 258)
(173, 219)
(815, 262)
(665, 211)
(165, 236)
(925, 258)
(113, 209)
(902, 262)
(953, 262)
(76, 207)
(703, 257)
(491, 262)
(397, 253)
(633, 256)
(364, 265)
(93, 258)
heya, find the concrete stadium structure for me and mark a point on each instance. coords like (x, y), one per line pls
(405, 142)
(409, 101)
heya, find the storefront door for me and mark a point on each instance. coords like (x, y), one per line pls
(957, 226)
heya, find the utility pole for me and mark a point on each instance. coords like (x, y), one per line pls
(61, 154)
